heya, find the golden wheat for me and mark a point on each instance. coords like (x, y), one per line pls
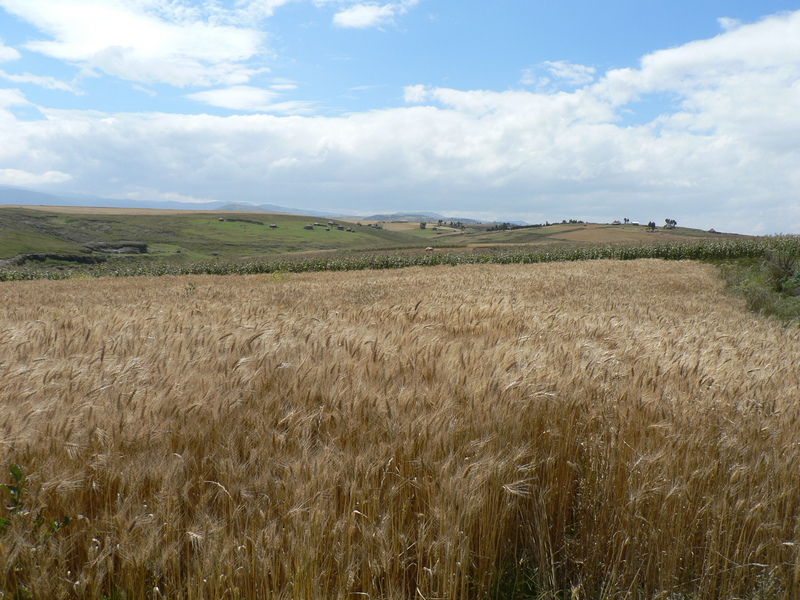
(597, 429)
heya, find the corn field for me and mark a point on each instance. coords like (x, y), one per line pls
(597, 429)
(746, 248)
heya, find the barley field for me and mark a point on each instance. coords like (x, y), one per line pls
(596, 429)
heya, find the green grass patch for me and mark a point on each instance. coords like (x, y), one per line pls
(766, 291)
(13, 243)
(200, 236)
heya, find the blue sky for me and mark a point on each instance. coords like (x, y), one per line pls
(503, 110)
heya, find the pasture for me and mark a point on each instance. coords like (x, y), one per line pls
(181, 236)
(597, 429)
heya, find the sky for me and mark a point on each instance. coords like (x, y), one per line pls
(501, 110)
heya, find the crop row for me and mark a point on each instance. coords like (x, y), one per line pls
(700, 250)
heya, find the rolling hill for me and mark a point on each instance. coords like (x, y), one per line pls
(71, 233)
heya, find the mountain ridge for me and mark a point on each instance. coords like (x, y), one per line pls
(14, 195)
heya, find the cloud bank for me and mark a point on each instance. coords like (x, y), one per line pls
(721, 151)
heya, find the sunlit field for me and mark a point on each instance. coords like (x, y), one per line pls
(596, 429)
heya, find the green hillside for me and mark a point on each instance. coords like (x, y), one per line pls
(179, 235)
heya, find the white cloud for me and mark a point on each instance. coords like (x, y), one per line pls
(18, 177)
(770, 47)
(258, 9)
(371, 14)
(240, 97)
(8, 54)
(142, 40)
(729, 24)
(10, 97)
(570, 73)
(144, 90)
(559, 72)
(251, 99)
(50, 83)
(290, 107)
(362, 16)
(159, 196)
(529, 77)
(415, 94)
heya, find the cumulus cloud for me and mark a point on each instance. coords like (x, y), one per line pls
(144, 41)
(371, 14)
(768, 48)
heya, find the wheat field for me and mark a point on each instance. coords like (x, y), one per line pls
(586, 430)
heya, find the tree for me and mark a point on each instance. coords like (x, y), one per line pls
(423, 225)
(627, 220)
(651, 226)
(670, 223)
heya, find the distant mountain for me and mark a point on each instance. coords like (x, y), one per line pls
(405, 217)
(242, 208)
(273, 208)
(25, 197)
(12, 195)
(428, 217)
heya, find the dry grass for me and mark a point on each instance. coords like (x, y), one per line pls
(618, 234)
(586, 430)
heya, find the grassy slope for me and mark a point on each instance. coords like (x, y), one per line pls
(201, 235)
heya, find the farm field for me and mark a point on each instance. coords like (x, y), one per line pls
(72, 237)
(596, 429)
